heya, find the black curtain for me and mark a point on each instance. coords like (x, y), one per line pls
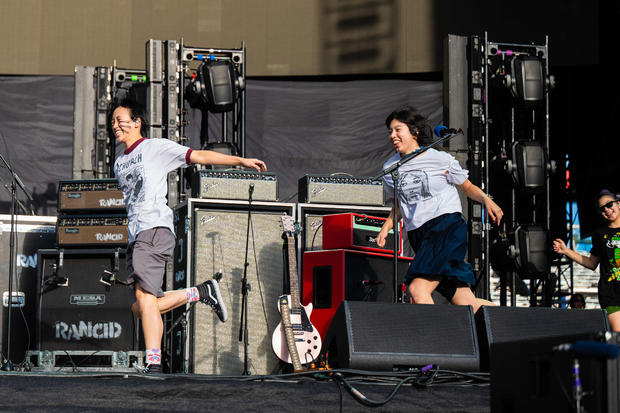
(299, 127)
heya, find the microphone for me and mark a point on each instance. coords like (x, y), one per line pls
(251, 189)
(442, 131)
(591, 349)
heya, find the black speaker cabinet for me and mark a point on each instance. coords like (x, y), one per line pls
(533, 376)
(31, 234)
(76, 310)
(213, 239)
(506, 324)
(388, 337)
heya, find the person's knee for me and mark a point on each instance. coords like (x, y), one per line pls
(420, 292)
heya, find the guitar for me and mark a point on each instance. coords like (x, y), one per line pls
(295, 340)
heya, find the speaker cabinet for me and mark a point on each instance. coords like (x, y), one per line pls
(32, 233)
(389, 337)
(533, 376)
(76, 310)
(331, 276)
(506, 324)
(215, 241)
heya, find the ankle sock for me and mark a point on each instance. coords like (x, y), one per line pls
(153, 356)
(192, 294)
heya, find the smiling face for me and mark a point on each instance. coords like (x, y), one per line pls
(126, 130)
(609, 209)
(401, 137)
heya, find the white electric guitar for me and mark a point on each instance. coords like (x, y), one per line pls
(295, 340)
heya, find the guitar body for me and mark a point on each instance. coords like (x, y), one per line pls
(306, 337)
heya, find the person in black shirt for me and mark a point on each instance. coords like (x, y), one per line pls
(606, 252)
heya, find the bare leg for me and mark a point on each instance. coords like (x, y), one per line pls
(464, 296)
(152, 323)
(420, 289)
(614, 321)
(170, 301)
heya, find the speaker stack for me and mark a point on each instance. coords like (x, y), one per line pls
(349, 265)
(82, 308)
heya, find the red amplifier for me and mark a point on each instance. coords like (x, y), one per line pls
(332, 276)
(357, 231)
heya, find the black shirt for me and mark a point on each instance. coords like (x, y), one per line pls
(606, 246)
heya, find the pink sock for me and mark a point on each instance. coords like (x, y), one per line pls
(153, 356)
(192, 295)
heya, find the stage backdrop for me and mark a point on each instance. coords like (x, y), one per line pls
(298, 127)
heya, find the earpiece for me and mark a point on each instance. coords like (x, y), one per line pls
(137, 122)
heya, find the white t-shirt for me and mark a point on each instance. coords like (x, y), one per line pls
(426, 186)
(142, 172)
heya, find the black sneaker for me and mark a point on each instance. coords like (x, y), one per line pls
(153, 369)
(209, 292)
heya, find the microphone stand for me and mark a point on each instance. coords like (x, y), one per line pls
(245, 288)
(393, 170)
(7, 365)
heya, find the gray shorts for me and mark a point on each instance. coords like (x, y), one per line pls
(146, 259)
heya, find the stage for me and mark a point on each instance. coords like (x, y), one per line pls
(307, 392)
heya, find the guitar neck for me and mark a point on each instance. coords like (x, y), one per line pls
(292, 273)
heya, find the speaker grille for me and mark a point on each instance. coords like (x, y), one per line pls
(219, 240)
(388, 336)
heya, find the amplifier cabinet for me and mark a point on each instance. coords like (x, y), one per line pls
(332, 276)
(76, 310)
(89, 195)
(32, 233)
(211, 238)
(92, 230)
(328, 189)
(219, 184)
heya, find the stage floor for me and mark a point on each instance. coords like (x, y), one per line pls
(122, 392)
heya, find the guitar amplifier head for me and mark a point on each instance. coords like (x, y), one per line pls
(92, 230)
(90, 195)
(328, 189)
(218, 184)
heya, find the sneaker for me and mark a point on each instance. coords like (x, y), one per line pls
(153, 369)
(209, 292)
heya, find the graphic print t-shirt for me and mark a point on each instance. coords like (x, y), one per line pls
(142, 173)
(606, 246)
(426, 186)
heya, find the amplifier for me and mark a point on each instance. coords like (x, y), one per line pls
(218, 184)
(90, 230)
(328, 189)
(90, 195)
(356, 231)
(77, 309)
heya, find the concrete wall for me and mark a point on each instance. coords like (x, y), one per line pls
(283, 37)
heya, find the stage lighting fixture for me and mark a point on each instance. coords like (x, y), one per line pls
(528, 165)
(526, 81)
(219, 84)
(531, 251)
(526, 252)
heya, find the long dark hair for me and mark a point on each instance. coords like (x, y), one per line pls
(414, 120)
